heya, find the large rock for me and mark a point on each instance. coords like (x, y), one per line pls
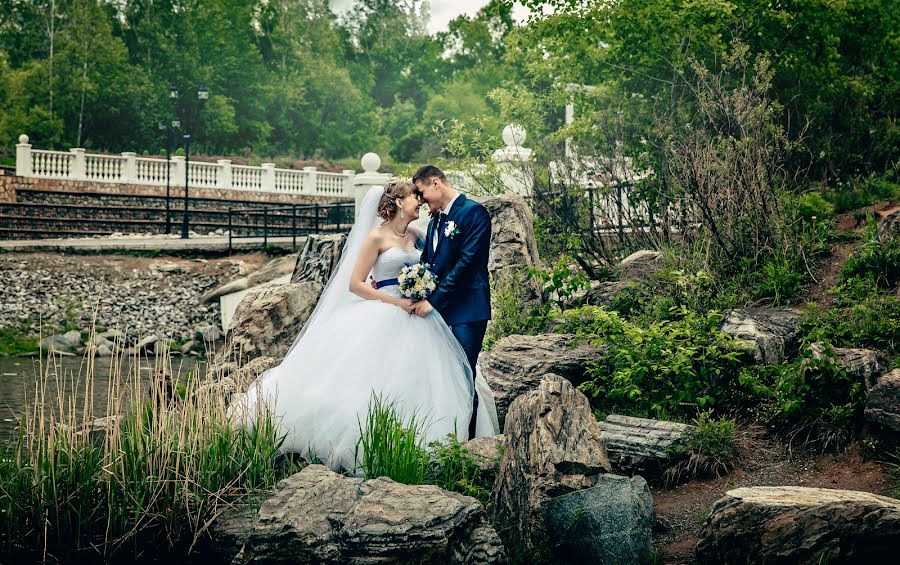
(517, 363)
(231, 529)
(272, 270)
(603, 293)
(318, 516)
(642, 446)
(553, 447)
(800, 525)
(62, 343)
(771, 334)
(865, 365)
(513, 246)
(269, 318)
(485, 452)
(318, 259)
(639, 265)
(610, 523)
(883, 404)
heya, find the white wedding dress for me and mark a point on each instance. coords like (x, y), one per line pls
(352, 348)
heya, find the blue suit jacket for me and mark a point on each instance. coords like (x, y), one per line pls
(463, 293)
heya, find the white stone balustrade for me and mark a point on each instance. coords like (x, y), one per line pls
(128, 168)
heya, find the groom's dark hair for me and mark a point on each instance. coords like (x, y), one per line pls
(426, 172)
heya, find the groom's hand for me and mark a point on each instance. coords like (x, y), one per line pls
(422, 308)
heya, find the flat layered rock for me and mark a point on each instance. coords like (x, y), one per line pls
(318, 259)
(318, 516)
(553, 447)
(517, 363)
(770, 333)
(640, 445)
(776, 525)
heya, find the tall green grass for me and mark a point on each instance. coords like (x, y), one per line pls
(147, 484)
(391, 445)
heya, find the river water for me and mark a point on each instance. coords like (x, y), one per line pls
(20, 376)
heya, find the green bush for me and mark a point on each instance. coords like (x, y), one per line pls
(860, 317)
(451, 467)
(511, 312)
(878, 258)
(664, 370)
(780, 280)
(17, 341)
(561, 282)
(813, 206)
(711, 448)
(812, 398)
(862, 191)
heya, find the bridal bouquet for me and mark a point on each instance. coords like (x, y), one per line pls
(417, 281)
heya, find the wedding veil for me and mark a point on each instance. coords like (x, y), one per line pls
(337, 291)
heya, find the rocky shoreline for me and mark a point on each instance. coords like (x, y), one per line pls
(137, 296)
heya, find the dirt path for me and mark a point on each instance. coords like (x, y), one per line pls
(769, 463)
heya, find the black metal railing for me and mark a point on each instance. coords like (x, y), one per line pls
(288, 221)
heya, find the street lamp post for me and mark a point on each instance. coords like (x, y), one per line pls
(202, 97)
(174, 123)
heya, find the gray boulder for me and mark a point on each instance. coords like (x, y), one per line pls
(639, 265)
(60, 343)
(318, 259)
(781, 525)
(610, 523)
(602, 293)
(883, 403)
(517, 363)
(771, 334)
(485, 452)
(272, 270)
(268, 319)
(553, 447)
(864, 364)
(642, 446)
(318, 516)
(513, 247)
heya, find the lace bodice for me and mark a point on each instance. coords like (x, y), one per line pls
(389, 263)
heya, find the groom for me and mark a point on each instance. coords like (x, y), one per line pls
(457, 246)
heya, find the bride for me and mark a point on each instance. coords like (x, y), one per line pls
(362, 340)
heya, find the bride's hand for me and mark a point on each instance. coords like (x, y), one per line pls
(406, 304)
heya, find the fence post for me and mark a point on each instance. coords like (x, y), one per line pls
(316, 224)
(265, 226)
(294, 227)
(229, 230)
(178, 174)
(23, 157)
(78, 170)
(129, 171)
(368, 178)
(224, 178)
(309, 181)
(268, 177)
(348, 181)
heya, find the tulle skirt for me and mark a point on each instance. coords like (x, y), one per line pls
(320, 393)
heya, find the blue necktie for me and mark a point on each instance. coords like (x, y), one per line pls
(438, 229)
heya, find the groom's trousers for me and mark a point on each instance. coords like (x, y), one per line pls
(471, 336)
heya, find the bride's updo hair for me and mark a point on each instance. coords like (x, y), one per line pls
(393, 191)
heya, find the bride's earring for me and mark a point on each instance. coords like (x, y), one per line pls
(402, 214)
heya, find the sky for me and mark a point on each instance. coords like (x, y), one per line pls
(442, 11)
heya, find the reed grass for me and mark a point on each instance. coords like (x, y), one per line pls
(391, 446)
(145, 482)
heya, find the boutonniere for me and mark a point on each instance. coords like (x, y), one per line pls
(450, 230)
